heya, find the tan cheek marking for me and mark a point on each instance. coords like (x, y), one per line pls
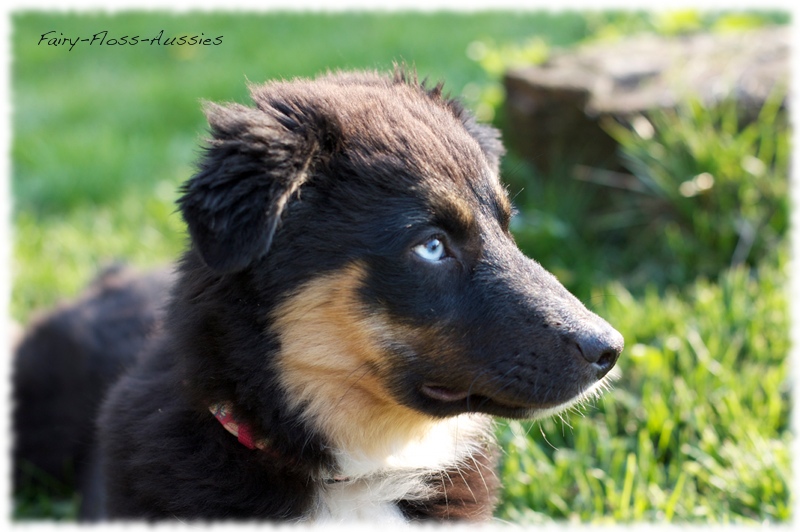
(331, 365)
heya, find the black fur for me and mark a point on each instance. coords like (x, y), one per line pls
(350, 172)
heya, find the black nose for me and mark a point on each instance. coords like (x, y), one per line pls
(600, 345)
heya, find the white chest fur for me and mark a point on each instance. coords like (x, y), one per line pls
(373, 485)
(357, 500)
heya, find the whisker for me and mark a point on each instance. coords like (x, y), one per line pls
(541, 430)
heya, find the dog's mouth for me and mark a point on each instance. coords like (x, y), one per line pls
(444, 400)
(444, 394)
(466, 401)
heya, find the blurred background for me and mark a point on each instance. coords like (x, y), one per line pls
(675, 233)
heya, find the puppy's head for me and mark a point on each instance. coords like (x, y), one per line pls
(365, 216)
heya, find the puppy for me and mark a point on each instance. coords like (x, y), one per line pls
(351, 310)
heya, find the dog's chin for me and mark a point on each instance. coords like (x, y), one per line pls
(443, 401)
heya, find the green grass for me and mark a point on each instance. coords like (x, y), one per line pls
(696, 427)
(129, 110)
(720, 203)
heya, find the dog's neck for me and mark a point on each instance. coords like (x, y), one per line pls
(444, 444)
(366, 486)
(244, 434)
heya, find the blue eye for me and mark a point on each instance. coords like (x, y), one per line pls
(432, 250)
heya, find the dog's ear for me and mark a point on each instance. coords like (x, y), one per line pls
(255, 162)
(488, 138)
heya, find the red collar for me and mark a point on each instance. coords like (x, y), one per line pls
(242, 431)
